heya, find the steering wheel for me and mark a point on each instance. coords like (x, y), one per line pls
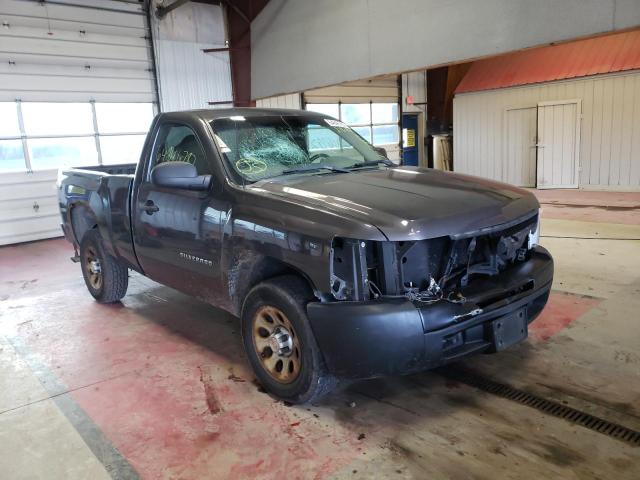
(315, 158)
(251, 166)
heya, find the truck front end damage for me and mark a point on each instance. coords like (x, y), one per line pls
(411, 305)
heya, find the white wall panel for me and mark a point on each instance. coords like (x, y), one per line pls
(188, 77)
(609, 149)
(292, 100)
(520, 139)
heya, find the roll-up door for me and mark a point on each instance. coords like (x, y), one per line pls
(77, 87)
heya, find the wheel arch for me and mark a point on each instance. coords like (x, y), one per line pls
(82, 219)
(260, 269)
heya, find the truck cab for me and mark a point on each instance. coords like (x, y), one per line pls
(339, 263)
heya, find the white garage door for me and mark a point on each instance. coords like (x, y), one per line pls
(77, 87)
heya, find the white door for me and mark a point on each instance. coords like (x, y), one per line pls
(520, 157)
(558, 143)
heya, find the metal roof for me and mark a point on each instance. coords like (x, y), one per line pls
(607, 54)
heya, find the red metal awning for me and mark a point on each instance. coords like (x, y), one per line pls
(611, 53)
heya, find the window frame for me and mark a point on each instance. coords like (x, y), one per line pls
(96, 134)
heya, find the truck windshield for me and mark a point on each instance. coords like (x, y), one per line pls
(270, 146)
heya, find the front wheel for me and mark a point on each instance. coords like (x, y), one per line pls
(279, 342)
(106, 279)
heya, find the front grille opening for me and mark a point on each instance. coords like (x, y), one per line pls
(443, 267)
(454, 263)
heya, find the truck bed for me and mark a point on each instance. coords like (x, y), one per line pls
(100, 197)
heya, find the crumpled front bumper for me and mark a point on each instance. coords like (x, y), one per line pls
(397, 336)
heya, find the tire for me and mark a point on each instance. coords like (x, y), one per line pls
(284, 299)
(106, 279)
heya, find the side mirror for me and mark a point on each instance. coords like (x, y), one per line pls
(179, 175)
(381, 151)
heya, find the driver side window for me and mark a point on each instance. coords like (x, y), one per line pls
(179, 143)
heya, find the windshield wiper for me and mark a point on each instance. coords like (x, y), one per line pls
(311, 167)
(372, 163)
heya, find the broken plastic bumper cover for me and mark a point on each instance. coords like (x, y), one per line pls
(397, 336)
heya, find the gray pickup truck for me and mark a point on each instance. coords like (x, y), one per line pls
(339, 263)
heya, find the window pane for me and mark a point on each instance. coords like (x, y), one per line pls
(62, 152)
(57, 118)
(121, 148)
(266, 146)
(384, 113)
(124, 117)
(330, 109)
(320, 138)
(9, 120)
(385, 134)
(11, 155)
(364, 132)
(356, 113)
(180, 144)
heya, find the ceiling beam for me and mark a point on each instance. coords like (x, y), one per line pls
(235, 8)
(162, 11)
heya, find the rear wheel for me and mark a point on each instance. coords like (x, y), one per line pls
(279, 342)
(106, 279)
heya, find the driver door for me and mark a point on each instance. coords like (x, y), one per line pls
(178, 231)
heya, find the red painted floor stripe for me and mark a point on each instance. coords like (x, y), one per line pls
(175, 396)
(561, 310)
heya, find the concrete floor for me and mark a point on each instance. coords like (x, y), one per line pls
(158, 387)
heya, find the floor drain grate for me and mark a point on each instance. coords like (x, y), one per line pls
(550, 407)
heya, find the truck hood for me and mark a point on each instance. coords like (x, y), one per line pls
(408, 203)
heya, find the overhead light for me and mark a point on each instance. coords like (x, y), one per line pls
(237, 118)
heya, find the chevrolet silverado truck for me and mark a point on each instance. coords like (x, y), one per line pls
(339, 263)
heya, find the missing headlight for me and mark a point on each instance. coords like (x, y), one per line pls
(534, 235)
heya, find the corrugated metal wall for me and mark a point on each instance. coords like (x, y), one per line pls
(581, 58)
(65, 51)
(609, 151)
(188, 77)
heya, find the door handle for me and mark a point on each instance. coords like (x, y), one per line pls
(150, 207)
